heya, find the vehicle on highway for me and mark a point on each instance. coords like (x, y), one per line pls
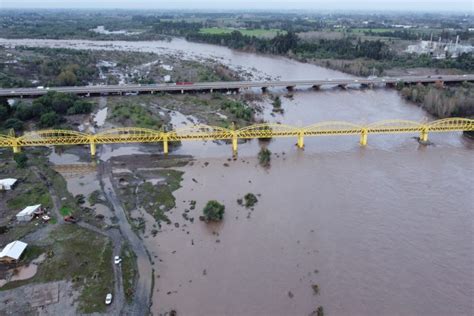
(40, 87)
(117, 260)
(108, 299)
(131, 93)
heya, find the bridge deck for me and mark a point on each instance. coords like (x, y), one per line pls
(229, 85)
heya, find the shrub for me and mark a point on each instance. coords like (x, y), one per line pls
(213, 211)
(14, 123)
(21, 159)
(250, 200)
(264, 157)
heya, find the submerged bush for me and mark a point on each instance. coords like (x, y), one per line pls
(250, 200)
(213, 211)
(264, 157)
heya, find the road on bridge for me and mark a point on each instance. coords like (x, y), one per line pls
(229, 85)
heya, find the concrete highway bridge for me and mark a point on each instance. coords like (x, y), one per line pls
(259, 131)
(182, 87)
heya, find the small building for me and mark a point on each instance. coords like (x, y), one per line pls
(167, 78)
(12, 252)
(28, 213)
(7, 184)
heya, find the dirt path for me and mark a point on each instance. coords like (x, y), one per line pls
(143, 288)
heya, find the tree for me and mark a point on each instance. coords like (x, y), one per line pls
(67, 78)
(23, 111)
(14, 123)
(213, 211)
(50, 119)
(4, 112)
(21, 159)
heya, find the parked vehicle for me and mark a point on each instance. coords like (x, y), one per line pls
(117, 260)
(108, 299)
(70, 219)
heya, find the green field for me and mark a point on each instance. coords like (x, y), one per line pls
(249, 32)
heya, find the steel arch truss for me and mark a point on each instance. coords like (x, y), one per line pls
(206, 132)
(52, 137)
(332, 128)
(200, 132)
(395, 127)
(267, 130)
(128, 135)
(6, 141)
(451, 124)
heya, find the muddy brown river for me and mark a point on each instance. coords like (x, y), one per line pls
(382, 230)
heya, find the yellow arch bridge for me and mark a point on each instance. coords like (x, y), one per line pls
(205, 132)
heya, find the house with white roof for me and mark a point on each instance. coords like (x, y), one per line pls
(12, 252)
(7, 184)
(28, 213)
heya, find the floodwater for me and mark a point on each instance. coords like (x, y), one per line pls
(382, 230)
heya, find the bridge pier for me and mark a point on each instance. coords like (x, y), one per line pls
(363, 137)
(234, 143)
(165, 145)
(93, 149)
(424, 135)
(16, 149)
(300, 140)
(316, 87)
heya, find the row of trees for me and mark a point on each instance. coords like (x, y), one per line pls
(285, 43)
(48, 110)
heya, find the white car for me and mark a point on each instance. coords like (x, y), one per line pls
(108, 299)
(117, 259)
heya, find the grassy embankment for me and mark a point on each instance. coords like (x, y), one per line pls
(129, 271)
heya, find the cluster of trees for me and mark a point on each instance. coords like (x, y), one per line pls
(442, 102)
(240, 109)
(280, 44)
(283, 44)
(48, 110)
(401, 34)
(344, 48)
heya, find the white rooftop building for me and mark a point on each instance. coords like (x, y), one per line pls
(28, 213)
(13, 251)
(7, 184)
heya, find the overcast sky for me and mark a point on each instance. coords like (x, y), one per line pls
(466, 6)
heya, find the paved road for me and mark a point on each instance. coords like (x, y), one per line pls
(228, 85)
